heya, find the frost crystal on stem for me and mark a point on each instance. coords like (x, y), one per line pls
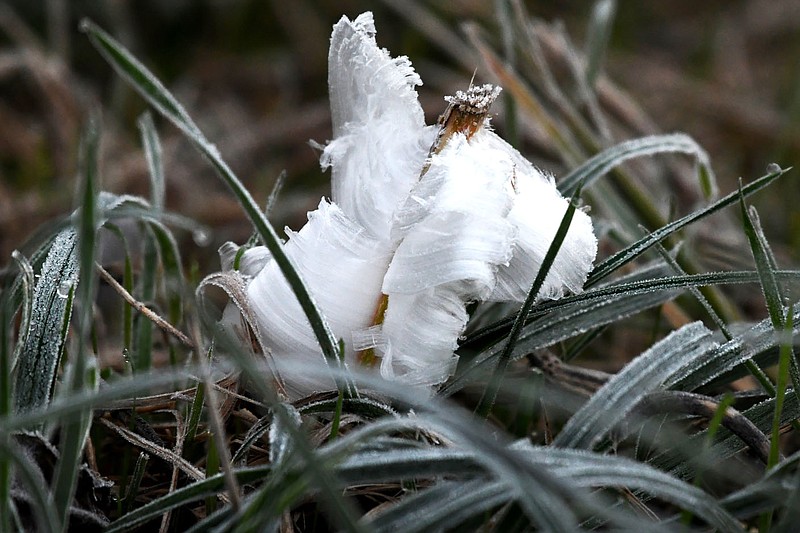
(423, 220)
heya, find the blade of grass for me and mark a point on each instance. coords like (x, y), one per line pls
(713, 425)
(74, 430)
(751, 365)
(143, 348)
(638, 287)
(132, 489)
(45, 513)
(167, 247)
(598, 165)
(6, 405)
(597, 37)
(783, 381)
(155, 163)
(766, 267)
(490, 394)
(157, 95)
(337, 414)
(66, 406)
(51, 311)
(127, 284)
(633, 251)
(27, 284)
(679, 350)
(553, 322)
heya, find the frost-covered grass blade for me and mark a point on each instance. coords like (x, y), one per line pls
(154, 92)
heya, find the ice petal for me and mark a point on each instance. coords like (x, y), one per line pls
(422, 330)
(343, 268)
(453, 224)
(380, 139)
(537, 212)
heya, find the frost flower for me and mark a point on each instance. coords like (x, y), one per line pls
(423, 220)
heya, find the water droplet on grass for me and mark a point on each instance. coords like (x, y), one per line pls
(63, 289)
(201, 237)
(772, 168)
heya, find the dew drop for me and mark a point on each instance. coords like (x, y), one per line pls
(201, 237)
(63, 289)
(772, 168)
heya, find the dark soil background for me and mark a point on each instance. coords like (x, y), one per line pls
(253, 75)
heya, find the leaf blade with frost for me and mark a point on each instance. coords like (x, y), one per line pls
(51, 309)
(626, 389)
(154, 92)
(598, 165)
(629, 253)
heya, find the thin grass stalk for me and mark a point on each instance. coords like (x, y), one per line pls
(75, 429)
(752, 367)
(490, 394)
(341, 509)
(217, 427)
(143, 352)
(122, 391)
(713, 426)
(153, 155)
(195, 410)
(5, 410)
(766, 267)
(633, 251)
(157, 95)
(337, 414)
(784, 359)
(597, 38)
(132, 489)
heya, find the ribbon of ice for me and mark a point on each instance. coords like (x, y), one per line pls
(423, 220)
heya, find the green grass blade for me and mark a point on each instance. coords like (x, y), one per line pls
(597, 37)
(554, 322)
(766, 267)
(783, 380)
(442, 507)
(622, 288)
(154, 92)
(45, 514)
(153, 155)
(182, 496)
(751, 365)
(594, 469)
(626, 389)
(6, 401)
(490, 394)
(765, 264)
(127, 284)
(143, 348)
(51, 309)
(132, 489)
(598, 165)
(746, 345)
(636, 249)
(252, 436)
(74, 430)
(27, 283)
(66, 406)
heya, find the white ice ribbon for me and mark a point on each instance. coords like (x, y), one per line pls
(425, 218)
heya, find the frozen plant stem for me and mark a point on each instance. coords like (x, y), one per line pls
(139, 306)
